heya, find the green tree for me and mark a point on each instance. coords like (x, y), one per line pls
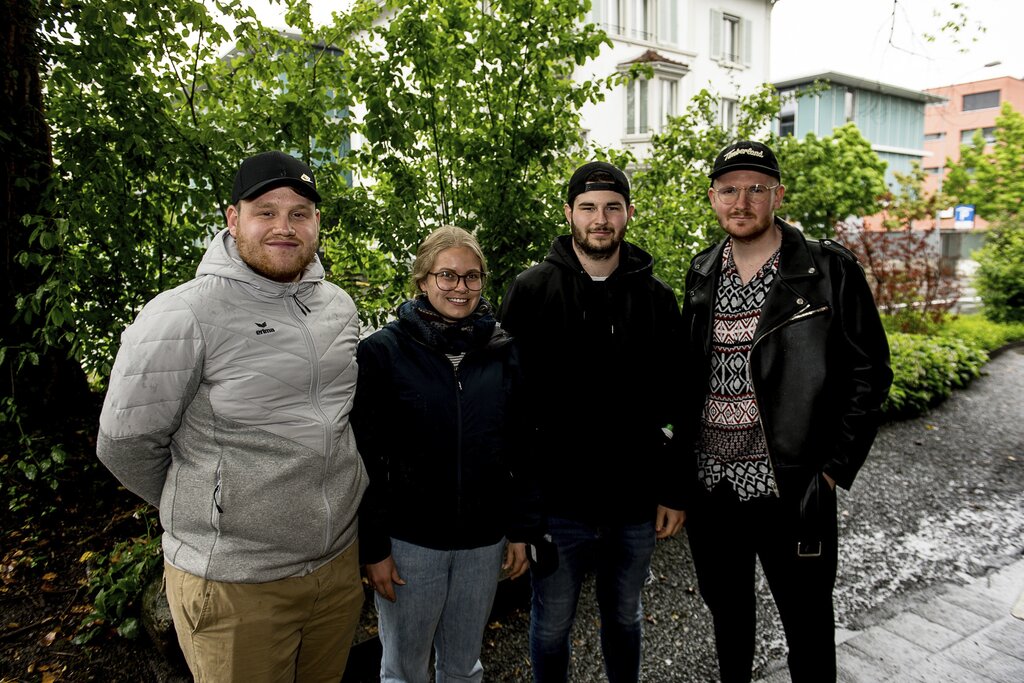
(830, 178)
(41, 381)
(990, 177)
(149, 123)
(472, 119)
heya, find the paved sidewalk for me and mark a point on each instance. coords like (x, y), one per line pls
(954, 634)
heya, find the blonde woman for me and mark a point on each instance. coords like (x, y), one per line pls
(434, 416)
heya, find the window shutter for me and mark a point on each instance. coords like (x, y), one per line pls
(716, 34)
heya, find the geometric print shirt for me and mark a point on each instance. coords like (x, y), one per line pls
(731, 444)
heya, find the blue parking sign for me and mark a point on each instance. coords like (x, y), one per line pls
(963, 216)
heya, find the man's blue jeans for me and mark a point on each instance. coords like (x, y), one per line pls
(443, 606)
(621, 558)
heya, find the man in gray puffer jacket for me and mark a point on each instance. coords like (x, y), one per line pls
(228, 409)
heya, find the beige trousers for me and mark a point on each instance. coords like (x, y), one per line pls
(291, 630)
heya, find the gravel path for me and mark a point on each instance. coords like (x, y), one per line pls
(940, 499)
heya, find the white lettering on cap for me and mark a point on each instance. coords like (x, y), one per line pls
(744, 150)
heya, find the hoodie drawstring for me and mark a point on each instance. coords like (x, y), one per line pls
(302, 307)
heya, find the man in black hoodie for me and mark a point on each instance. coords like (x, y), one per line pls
(600, 339)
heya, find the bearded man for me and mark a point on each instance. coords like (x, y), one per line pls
(600, 340)
(228, 409)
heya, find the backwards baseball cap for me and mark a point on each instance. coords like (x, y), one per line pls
(263, 172)
(746, 155)
(580, 181)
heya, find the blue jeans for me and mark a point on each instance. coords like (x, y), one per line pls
(621, 557)
(444, 603)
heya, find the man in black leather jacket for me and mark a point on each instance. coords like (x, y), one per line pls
(791, 366)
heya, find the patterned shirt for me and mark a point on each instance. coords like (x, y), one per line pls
(732, 444)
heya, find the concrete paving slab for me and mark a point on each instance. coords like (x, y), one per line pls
(924, 632)
(952, 616)
(976, 656)
(939, 670)
(844, 634)
(1006, 635)
(979, 603)
(892, 651)
(853, 666)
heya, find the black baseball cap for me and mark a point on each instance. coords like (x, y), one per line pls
(579, 183)
(746, 155)
(265, 171)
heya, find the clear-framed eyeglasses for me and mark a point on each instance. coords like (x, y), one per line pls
(448, 280)
(756, 194)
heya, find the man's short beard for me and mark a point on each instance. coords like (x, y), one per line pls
(594, 252)
(255, 257)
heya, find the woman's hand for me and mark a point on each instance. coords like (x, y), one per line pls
(383, 576)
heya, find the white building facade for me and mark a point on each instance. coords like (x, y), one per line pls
(691, 45)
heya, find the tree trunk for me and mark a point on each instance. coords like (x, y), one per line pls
(51, 393)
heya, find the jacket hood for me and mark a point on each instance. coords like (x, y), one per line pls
(223, 260)
(632, 259)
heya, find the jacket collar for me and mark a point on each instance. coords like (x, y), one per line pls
(795, 262)
(795, 289)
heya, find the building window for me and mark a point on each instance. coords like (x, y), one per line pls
(850, 104)
(931, 137)
(933, 170)
(729, 108)
(669, 104)
(967, 136)
(651, 101)
(730, 39)
(981, 100)
(787, 113)
(636, 107)
(644, 20)
(646, 97)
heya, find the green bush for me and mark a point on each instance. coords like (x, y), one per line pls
(978, 329)
(1000, 276)
(926, 369)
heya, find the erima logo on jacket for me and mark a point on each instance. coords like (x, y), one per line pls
(264, 329)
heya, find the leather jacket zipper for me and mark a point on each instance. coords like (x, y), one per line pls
(804, 312)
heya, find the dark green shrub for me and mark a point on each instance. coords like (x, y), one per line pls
(926, 369)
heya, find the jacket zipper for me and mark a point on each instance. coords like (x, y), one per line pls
(802, 313)
(314, 398)
(458, 443)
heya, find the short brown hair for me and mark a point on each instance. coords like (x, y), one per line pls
(445, 237)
